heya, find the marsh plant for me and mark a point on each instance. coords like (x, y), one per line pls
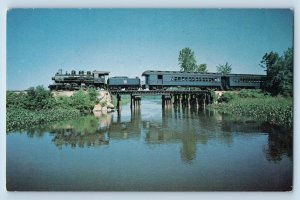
(257, 105)
(38, 106)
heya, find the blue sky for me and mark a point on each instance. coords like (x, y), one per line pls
(130, 41)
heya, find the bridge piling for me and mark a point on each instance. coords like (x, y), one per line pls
(119, 102)
(166, 100)
(135, 101)
(204, 101)
(197, 101)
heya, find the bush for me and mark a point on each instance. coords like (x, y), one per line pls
(246, 93)
(213, 96)
(227, 97)
(82, 102)
(39, 98)
(93, 94)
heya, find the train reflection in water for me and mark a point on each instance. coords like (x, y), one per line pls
(184, 126)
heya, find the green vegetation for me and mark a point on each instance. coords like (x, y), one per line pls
(187, 60)
(274, 104)
(188, 63)
(22, 118)
(38, 106)
(257, 105)
(279, 70)
(81, 101)
(202, 68)
(213, 96)
(224, 69)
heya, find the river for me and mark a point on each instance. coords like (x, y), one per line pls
(151, 149)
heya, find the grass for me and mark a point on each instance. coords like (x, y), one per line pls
(274, 110)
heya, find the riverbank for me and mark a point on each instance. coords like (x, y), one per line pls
(39, 106)
(265, 108)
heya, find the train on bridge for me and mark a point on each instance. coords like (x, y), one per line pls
(155, 80)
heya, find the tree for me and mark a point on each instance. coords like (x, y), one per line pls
(224, 69)
(187, 60)
(202, 68)
(39, 98)
(279, 70)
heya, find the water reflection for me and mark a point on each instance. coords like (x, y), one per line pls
(280, 143)
(85, 132)
(184, 126)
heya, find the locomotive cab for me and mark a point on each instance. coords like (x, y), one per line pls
(99, 78)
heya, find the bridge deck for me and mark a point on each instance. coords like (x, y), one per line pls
(156, 92)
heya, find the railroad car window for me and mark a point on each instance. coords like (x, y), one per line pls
(159, 76)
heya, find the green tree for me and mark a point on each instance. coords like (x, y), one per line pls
(201, 68)
(279, 70)
(39, 98)
(224, 69)
(187, 61)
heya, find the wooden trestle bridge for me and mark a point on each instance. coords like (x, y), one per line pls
(197, 98)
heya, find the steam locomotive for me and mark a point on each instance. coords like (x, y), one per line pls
(155, 80)
(75, 81)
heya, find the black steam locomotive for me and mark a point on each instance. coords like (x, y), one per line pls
(155, 80)
(76, 81)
